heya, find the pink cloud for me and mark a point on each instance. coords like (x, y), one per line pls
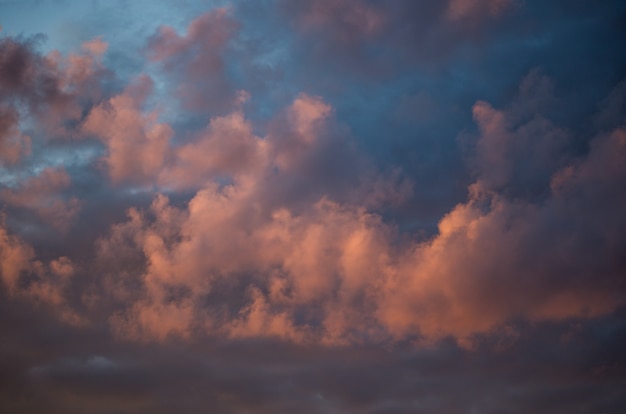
(195, 60)
(38, 282)
(327, 269)
(225, 231)
(345, 272)
(76, 70)
(14, 145)
(137, 144)
(78, 77)
(226, 148)
(349, 18)
(95, 47)
(43, 195)
(301, 134)
(16, 257)
(303, 129)
(44, 92)
(258, 319)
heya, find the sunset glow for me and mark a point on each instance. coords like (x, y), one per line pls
(315, 206)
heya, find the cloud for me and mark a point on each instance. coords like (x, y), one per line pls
(195, 60)
(53, 88)
(347, 19)
(476, 9)
(227, 148)
(25, 277)
(289, 218)
(95, 47)
(304, 118)
(335, 273)
(13, 144)
(43, 194)
(375, 41)
(326, 206)
(15, 258)
(517, 247)
(137, 143)
(241, 227)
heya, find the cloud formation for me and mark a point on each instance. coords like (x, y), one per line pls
(43, 194)
(317, 206)
(194, 61)
(136, 142)
(501, 255)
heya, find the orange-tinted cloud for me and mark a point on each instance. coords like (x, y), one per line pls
(281, 238)
(336, 273)
(227, 148)
(16, 257)
(137, 144)
(38, 282)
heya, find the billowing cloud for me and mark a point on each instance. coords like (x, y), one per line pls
(343, 271)
(136, 142)
(25, 277)
(332, 271)
(317, 206)
(227, 148)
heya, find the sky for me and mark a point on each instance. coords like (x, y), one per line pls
(313, 206)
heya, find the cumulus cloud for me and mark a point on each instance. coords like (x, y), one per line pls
(241, 227)
(38, 282)
(334, 272)
(136, 142)
(396, 220)
(289, 229)
(227, 148)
